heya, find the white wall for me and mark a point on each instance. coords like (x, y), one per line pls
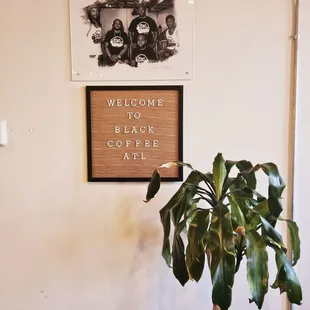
(66, 244)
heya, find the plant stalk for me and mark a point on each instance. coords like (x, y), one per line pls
(240, 254)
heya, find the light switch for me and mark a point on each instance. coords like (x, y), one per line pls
(3, 133)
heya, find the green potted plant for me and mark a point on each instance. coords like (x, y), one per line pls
(238, 223)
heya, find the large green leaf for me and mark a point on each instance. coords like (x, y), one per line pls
(229, 164)
(153, 186)
(243, 166)
(286, 279)
(181, 202)
(222, 250)
(195, 251)
(295, 241)
(228, 183)
(250, 177)
(262, 208)
(165, 221)
(189, 188)
(219, 175)
(183, 205)
(271, 232)
(165, 217)
(253, 217)
(257, 266)
(275, 189)
(236, 212)
(178, 256)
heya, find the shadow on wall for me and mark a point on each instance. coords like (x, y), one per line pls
(130, 224)
(137, 232)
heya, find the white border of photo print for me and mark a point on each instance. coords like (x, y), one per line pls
(89, 42)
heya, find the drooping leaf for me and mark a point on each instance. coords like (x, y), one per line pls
(195, 252)
(178, 255)
(271, 232)
(229, 164)
(250, 177)
(253, 216)
(239, 183)
(153, 186)
(191, 213)
(219, 174)
(286, 279)
(166, 249)
(257, 266)
(244, 167)
(174, 202)
(189, 189)
(262, 208)
(246, 192)
(222, 250)
(183, 205)
(275, 189)
(181, 202)
(176, 164)
(294, 237)
(295, 241)
(228, 183)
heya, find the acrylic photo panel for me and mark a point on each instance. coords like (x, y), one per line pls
(119, 40)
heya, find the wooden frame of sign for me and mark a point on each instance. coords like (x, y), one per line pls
(131, 130)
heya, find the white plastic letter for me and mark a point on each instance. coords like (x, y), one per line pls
(111, 103)
(137, 115)
(119, 143)
(110, 143)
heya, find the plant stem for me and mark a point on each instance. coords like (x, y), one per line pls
(240, 253)
(206, 199)
(239, 259)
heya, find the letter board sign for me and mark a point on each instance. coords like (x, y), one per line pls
(131, 130)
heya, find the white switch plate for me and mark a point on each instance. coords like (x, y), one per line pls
(3, 133)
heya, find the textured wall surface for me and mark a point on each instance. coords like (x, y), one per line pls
(66, 244)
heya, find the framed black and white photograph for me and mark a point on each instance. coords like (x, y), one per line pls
(120, 40)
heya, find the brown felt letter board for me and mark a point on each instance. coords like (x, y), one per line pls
(131, 130)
